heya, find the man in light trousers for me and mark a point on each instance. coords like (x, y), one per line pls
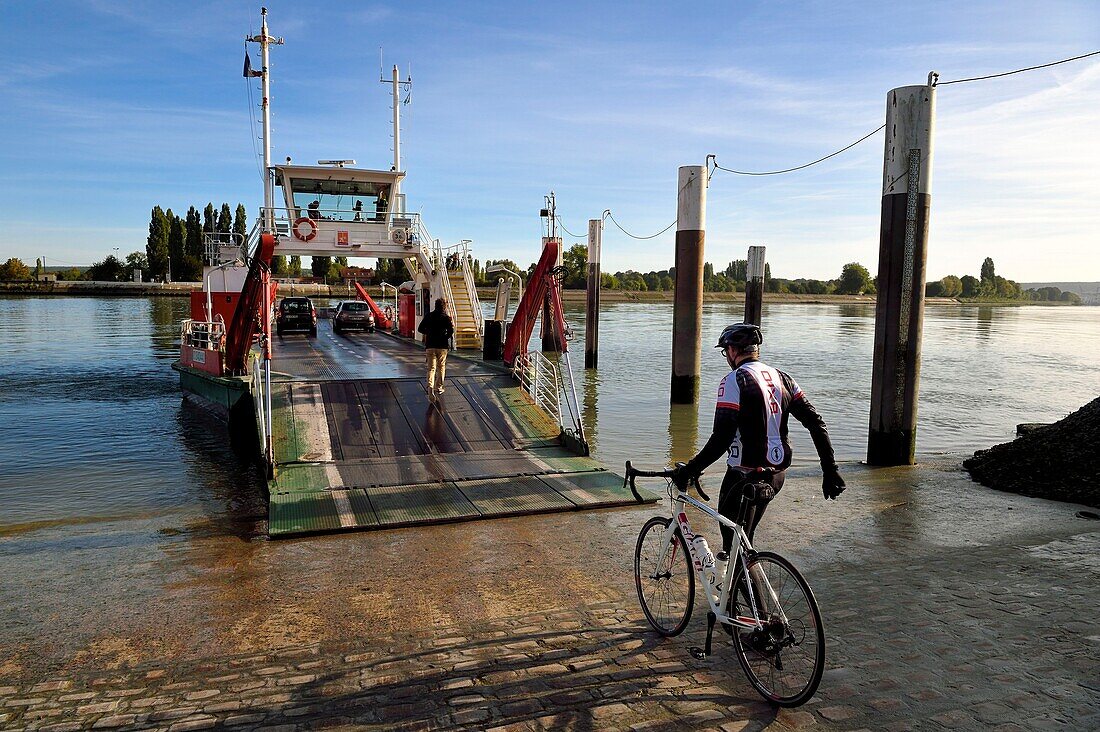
(437, 328)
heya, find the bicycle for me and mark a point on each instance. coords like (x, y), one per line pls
(772, 617)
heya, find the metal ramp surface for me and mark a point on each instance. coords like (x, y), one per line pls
(363, 453)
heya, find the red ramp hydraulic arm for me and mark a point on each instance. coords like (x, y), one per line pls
(247, 315)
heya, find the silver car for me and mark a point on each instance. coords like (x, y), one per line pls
(352, 315)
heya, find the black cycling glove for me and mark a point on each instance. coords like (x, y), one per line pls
(832, 485)
(684, 473)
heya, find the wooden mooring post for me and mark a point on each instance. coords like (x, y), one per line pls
(754, 285)
(903, 247)
(592, 300)
(687, 307)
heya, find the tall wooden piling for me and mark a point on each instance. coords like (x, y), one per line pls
(687, 308)
(754, 285)
(592, 301)
(903, 246)
(551, 339)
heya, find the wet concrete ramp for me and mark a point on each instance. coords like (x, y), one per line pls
(375, 453)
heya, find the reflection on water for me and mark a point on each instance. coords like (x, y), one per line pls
(92, 426)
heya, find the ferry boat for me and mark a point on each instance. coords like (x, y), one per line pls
(348, 434)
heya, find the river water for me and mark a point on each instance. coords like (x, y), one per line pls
(93, 429)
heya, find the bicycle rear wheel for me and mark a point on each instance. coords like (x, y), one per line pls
(785, 660)
(664, 576)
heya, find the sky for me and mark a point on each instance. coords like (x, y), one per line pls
(112, 107)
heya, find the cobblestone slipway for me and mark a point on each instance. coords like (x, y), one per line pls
(947, 606)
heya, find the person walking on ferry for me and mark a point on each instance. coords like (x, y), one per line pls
(750, 428)
(314, 210)
(437, 329)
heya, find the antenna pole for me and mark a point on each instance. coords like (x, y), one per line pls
(396, 123)
(265, 42)
(269, 190)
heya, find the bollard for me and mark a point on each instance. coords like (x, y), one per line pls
(903, 247)
(592, 299)
(754, 285)
(687, 308)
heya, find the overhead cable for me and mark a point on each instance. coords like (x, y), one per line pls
(799, 167)
(567, 231)
(633, 236)
(1017, 71)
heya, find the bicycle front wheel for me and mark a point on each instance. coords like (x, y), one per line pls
(785, 659)
(664, 576)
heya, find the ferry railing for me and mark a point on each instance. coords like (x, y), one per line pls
(205, 335)
(540, 378)
(259, 400)
(221, 248)
(402, 228)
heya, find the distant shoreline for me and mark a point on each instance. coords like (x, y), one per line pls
(183, 289)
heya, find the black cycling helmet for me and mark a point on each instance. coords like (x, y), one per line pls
(740, 335)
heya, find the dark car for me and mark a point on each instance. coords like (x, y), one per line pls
(296, 313)
(352, 315)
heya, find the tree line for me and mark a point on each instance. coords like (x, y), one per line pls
(990, 286)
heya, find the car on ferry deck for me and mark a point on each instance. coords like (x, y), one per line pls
(296, 313)
(352, 315)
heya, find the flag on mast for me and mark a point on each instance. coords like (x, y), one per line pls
(248, 72)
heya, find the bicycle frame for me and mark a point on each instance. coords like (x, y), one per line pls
(743, 547)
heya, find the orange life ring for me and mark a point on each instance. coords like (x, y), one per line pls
(388, 312)
(312, 228)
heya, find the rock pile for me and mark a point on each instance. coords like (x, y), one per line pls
(1060, 461)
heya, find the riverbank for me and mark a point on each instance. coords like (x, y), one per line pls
(534, 622)
(486, 294)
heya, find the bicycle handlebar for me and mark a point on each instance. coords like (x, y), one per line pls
(632, 473)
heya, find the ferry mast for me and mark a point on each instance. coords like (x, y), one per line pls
(265, 42)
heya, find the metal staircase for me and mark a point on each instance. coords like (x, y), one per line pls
(462, 294)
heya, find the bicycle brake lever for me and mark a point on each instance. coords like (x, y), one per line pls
(629, 480)
(699, 490)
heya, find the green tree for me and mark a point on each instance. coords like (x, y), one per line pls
(72, 274)
(156, 246)
(278, 266)
(193, 242)
(209, 219)
(933, 289)
(952, 286)
(667, 284)
(988, 274)
(38, 268)
(1070, 297)
(109, 270)
(609, 281)
(134, 261)
(177, 247)
(14, 269)
(855, 280)
(575, 261)
(225, 220)
(320, 266)
(971, 286)
(240, 221)
(294, 269)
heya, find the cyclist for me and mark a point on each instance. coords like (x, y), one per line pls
(750, 426)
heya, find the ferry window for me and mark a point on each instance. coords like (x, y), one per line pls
(340, 200)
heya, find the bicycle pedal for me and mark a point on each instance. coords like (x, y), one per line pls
(698, 653)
